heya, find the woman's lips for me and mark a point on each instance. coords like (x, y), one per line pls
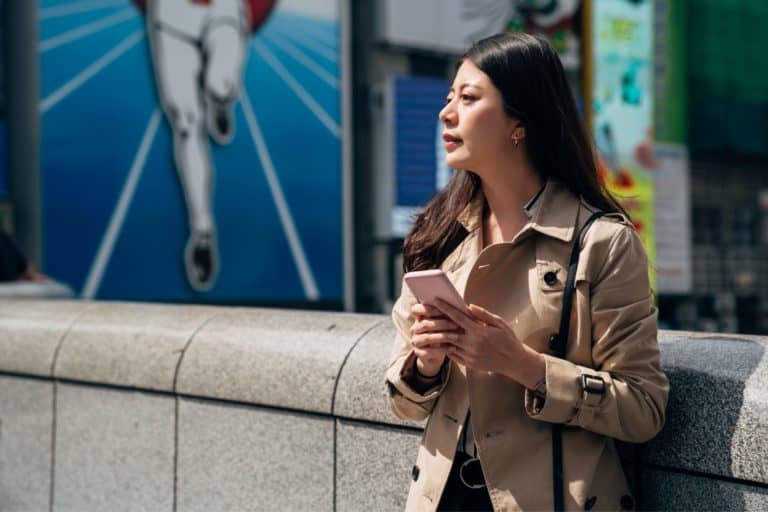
(451, 141)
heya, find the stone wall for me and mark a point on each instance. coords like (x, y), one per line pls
(122, 406)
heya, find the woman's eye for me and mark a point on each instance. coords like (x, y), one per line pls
(466, 98)
(448, 100)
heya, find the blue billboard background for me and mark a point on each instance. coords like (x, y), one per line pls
(418, 137)
(115, 223)
(420, 169)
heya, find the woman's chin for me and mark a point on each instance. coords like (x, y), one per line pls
(455, 163)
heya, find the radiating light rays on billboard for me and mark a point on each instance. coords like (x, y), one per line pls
(326, 52)
(107, 245)
(59, 11)
(297, 88)
(92, 70)
(283, 211)
(86, 30)
(303, 59)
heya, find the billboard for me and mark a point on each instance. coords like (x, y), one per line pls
(622, 106)
(419, 153)
(194, 150)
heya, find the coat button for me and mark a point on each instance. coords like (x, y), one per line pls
(415, 473)
(554, 342)
(627, 502)
(550, 278)
(590, 503)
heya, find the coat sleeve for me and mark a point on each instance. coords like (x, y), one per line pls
(625, 395)
(406, 402)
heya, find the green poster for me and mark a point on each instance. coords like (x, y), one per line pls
(622, 56)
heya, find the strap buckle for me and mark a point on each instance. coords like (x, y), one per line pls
(592, 384)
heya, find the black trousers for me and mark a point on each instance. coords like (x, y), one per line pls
(457, 496)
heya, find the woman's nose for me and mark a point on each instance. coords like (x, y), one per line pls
(447, 115)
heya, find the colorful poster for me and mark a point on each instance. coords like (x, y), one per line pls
(192, 150)
(557, 20)
(622, 99)
(453, 25)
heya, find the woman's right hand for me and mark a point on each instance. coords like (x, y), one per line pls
(431, 335)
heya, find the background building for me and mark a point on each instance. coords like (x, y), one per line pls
(337, 145)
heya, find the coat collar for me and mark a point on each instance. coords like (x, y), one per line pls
(554, 213)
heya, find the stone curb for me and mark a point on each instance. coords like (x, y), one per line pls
(334, 364)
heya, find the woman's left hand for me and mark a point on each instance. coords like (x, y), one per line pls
(489, 344)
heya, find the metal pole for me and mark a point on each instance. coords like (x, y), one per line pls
(22, 87)
(348, 225)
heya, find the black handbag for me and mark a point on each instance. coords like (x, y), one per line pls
(558, 343)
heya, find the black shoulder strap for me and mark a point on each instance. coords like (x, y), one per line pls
(559, 343)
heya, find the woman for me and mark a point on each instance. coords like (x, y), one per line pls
(503, 231)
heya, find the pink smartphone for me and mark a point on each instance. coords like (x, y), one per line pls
(427, 285)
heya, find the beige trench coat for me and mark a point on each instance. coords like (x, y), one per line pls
(613, 335)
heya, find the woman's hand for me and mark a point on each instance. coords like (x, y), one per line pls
(487, 343)
(432, 334)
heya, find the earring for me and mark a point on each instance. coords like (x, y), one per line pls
(516, 141)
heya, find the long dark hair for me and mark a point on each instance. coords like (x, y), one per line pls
(527, 72)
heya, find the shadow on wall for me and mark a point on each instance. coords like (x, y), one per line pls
(696, 438)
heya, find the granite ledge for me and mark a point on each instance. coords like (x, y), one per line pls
(130, 345)
(361, 393)
(717, 416)
(32, 330)
(272, 357)
(717, 419)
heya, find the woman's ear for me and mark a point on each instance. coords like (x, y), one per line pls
(518, 134)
